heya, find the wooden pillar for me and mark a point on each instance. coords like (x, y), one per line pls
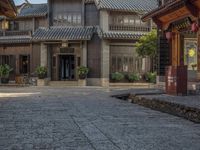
(198, 55)
(176, 49)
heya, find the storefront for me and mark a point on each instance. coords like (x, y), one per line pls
(179, 22)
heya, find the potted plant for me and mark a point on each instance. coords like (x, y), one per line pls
(117, 76)
(150, 77)
(82, 74)
(4, 73)
(42, 76)
(133, 77)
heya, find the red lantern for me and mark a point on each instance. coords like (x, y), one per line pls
(168, 35)
(194, 27)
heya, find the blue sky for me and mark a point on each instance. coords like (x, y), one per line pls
(17, 2)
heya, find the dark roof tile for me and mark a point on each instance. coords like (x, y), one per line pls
(64, 33)
(139, 6)
(35, 10)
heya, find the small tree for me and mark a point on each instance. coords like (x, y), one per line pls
(147, 46)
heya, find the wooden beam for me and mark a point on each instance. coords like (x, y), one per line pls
(192, 9)
(158, 22)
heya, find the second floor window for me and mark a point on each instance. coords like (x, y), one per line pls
(127, 20)
(67, 19)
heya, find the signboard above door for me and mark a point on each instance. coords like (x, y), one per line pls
(67, 50)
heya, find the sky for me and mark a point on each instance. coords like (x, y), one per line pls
(17, 2)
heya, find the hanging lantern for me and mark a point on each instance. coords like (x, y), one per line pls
(194, 27)
(168, 35)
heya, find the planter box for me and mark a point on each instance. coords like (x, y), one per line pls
(82, 82)
(42, 82)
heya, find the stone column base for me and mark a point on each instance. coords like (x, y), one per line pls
(105, 82)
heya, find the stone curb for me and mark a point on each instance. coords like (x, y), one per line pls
(180, 110)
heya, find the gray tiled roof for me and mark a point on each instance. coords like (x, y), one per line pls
(15, 39)
(64, 33)
(33, 10)
(127, 5)
(120, 35)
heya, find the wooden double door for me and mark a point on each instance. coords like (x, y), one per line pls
(67, 67)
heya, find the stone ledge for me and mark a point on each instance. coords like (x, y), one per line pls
(173, 108)
(147, 85)
(190, 113)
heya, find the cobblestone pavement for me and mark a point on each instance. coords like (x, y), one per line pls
(87, 119)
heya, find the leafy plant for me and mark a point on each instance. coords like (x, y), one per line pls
(5, 71)
(150, 77)
(83, 72)
(133, 77)
(147, 47)
(117, 76)
(41, 72)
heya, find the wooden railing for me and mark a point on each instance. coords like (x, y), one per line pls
(128, 28)
(15, 33)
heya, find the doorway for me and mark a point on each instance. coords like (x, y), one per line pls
(66, 67)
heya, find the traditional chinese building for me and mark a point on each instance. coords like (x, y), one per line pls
(99, 34)
(179, 21)
(62, 35)
(16, 48)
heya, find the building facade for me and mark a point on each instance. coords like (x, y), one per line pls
(179, 22)
(93, 33)
(16, 47)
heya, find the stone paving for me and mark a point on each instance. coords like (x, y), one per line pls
(87, 119)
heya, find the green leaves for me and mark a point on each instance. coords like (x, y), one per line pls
(82, 72)
(5, 70)
(117, 76)
(41, 72)
(147, 45)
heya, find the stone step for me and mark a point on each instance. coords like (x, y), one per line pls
(63, 83)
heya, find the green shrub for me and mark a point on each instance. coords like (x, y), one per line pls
(82, 72)
(134, 77)
(5, 71)
(150, 77)
(117, 76)
(41, 72)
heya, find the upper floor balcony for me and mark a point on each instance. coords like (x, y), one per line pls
(129, 28)
(13, 37)
(15, 33)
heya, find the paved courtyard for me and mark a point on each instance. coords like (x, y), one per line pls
(87, 119)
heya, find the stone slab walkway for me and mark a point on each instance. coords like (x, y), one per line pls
(87, 119)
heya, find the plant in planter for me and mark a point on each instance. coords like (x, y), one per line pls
(150, 77)
(82, 72)
(133, 77)
(42, 76)
(4, 73)
(41, 72)
(117, 76)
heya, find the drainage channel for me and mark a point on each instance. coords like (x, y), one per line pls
(176, 109)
